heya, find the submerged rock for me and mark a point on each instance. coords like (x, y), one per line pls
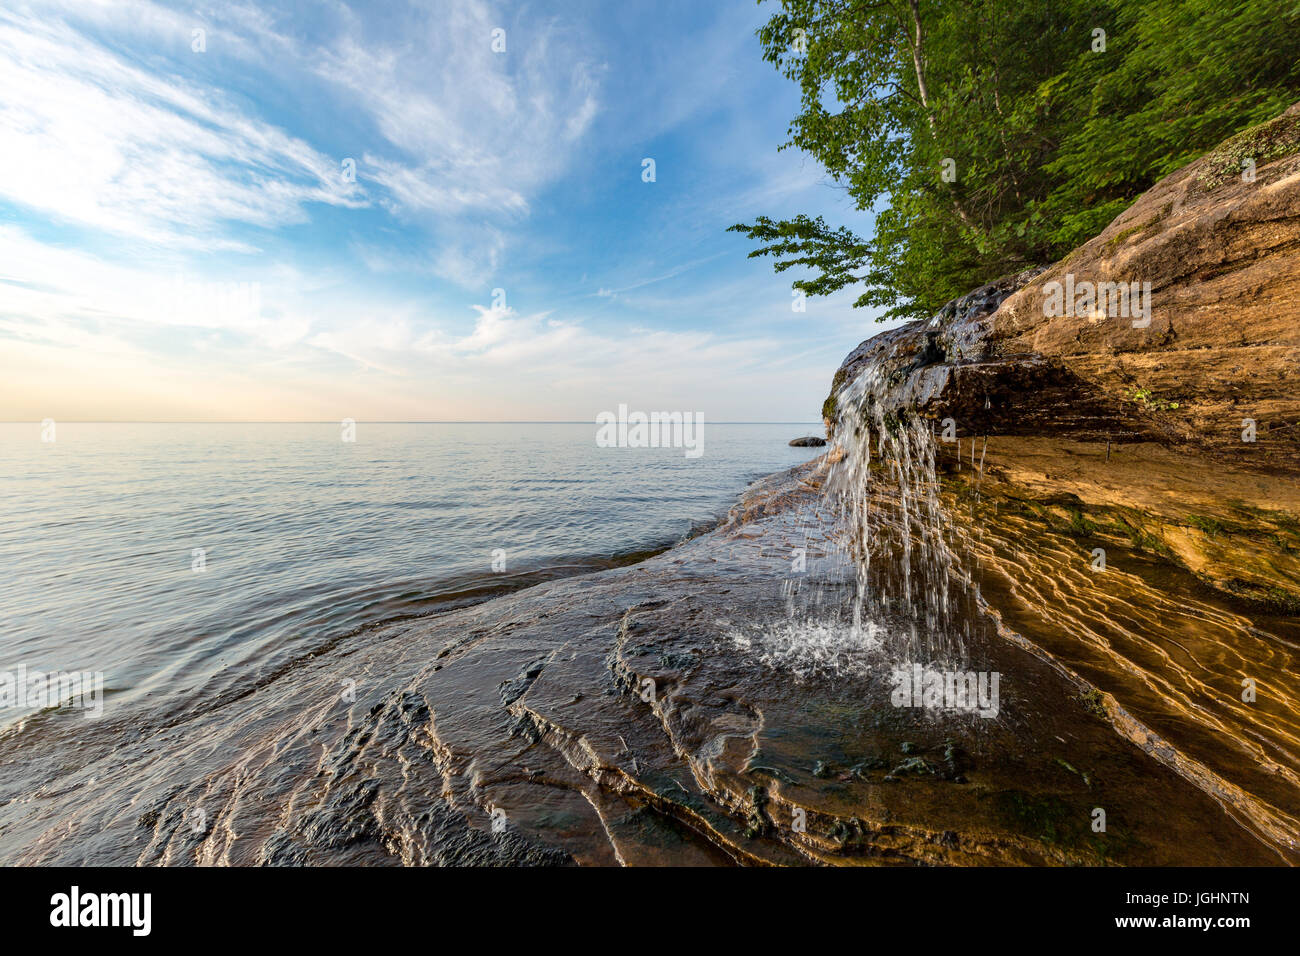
(709, 705)
(723, 702)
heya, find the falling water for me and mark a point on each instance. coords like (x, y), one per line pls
(886, 488)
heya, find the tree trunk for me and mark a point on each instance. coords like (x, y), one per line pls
(918, 60)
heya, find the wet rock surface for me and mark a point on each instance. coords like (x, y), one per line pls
(1214, 376)
(715, 704)
(699, 708)
(1103, 566)
(1100, 485)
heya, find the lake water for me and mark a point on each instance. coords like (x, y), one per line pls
(181, 560)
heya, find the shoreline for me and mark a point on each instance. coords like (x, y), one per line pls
(477, 590)
(522, 729)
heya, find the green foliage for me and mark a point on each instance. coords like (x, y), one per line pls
(1145, 398)
(1094, 703)
(1283, 602)
(1050, 138)
(1080, 526)
(1210, 526)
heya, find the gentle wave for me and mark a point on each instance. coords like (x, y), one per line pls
(305, 539)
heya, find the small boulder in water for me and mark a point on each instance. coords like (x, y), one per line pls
(812, 441)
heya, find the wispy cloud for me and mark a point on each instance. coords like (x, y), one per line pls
(89, 138)
(140, 178)
(473, 111)
(670, 274)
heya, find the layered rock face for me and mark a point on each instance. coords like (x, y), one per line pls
(1220, 343)
(1219, 244)
(709, 706)
(1211, 368)
(1127, 568)
(1133, 512)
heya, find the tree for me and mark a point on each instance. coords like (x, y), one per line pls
(997, 134)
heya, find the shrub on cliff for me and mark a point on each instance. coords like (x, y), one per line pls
(995, 134)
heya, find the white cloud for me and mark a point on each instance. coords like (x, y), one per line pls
(108, 122)
(67, 297)
(88, 138)
(85, 334)
(460, 137)
(469, 135)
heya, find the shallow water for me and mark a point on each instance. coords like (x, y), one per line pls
(305, 538)
(402, 744)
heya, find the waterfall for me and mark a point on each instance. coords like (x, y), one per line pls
(895, 528)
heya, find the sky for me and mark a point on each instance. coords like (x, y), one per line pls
(439, 210)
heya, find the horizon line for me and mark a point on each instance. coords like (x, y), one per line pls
(333, 421)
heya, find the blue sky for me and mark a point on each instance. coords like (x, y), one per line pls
(180, 238)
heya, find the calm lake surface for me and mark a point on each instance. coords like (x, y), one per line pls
(183, 559)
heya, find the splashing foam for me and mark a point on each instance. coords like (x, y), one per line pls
(814, 649)
(910, 599)
(896, 530)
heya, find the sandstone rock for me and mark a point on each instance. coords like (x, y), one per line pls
(1222, 256)
(669, 712)
(1222, 350)
(703, 706)
(1118, 520)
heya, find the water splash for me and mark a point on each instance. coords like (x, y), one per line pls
(812, 648)
(896, 530)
